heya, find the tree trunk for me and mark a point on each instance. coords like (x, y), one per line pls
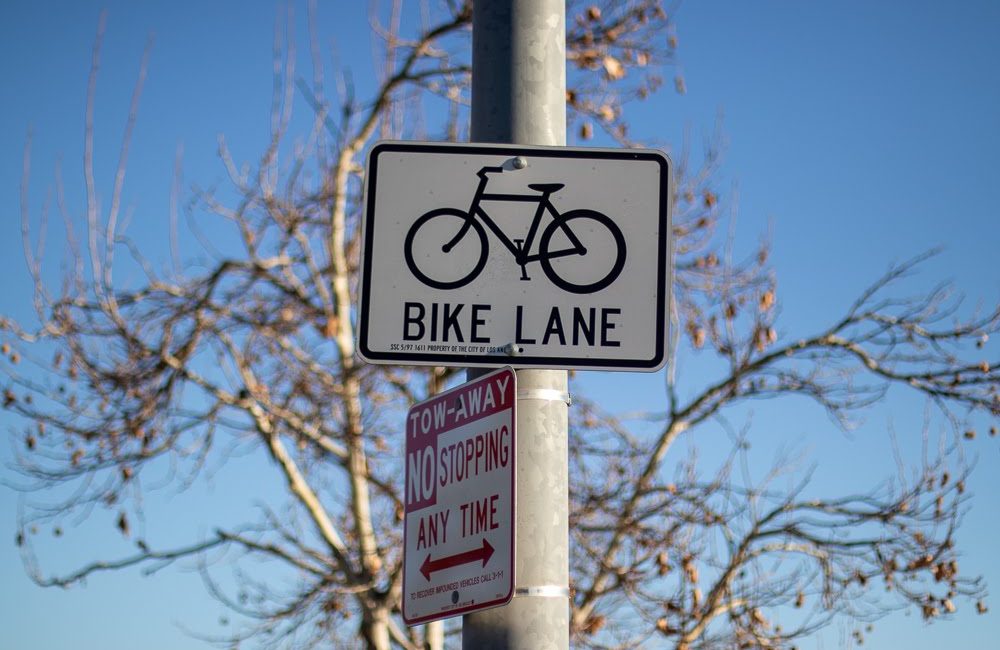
(375, 629)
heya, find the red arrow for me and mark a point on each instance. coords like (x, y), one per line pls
(484, 553)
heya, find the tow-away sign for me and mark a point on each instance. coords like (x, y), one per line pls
(487, 255)
(458, 548)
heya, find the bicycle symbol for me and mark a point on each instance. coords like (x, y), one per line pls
(564, 259)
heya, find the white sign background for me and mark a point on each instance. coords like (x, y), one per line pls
(458, 541)
(406, 180)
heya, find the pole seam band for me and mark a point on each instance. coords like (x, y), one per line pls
(542, 591)
(546, 394)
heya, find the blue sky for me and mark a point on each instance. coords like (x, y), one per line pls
(857, 133)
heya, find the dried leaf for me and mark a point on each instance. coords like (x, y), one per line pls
(663, 563)
(593, 624)
(766, 300)
(690, 568)
(330, 326)
(613, 68)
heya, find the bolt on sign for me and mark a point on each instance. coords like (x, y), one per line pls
(458, 540)
(486, 255)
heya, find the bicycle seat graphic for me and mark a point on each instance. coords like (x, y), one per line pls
(580, 251)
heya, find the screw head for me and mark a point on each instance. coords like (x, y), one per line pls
(520, 162)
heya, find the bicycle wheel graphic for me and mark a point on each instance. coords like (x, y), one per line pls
(582, 251)
(440, 253)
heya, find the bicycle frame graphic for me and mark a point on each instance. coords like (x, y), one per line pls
(448, 227)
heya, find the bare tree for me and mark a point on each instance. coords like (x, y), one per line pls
(254, 350)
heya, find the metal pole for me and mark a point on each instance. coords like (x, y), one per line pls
(519, 96)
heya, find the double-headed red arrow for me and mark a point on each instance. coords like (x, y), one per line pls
(484, 553)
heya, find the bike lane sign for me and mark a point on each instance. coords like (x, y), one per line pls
(458, 539)
(487, 255)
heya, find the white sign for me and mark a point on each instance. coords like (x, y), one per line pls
(486, 255)
(458, 540)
